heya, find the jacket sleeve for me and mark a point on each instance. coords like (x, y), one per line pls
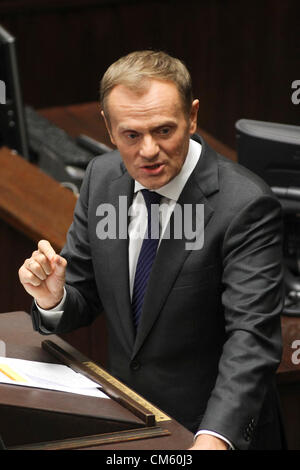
(252, 300)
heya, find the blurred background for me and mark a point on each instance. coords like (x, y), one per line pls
(243, 56)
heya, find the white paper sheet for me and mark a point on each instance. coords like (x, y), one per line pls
(49, 376)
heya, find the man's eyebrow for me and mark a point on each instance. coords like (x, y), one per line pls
(166, 124)
(127, 129)
(124, 128)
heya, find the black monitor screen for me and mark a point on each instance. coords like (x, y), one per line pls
(270, 150)
(12, 123)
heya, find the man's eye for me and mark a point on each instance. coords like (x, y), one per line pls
(132, 135)
(164, 131)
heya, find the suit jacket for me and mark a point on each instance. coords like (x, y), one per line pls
(209, 339)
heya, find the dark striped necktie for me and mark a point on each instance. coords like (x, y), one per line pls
(147, 253)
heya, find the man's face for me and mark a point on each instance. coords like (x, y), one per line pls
(151, 131)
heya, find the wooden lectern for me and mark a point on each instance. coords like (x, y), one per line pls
(37, 419)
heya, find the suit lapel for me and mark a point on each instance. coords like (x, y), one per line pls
(118, 258)
(172, 252)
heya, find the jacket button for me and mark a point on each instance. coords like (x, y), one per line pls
(135, 365)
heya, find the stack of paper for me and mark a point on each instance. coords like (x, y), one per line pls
(49, 376)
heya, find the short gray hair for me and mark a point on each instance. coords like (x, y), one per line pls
(134, 69)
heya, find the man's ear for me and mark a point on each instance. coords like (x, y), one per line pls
(108, 127)
(194, 117)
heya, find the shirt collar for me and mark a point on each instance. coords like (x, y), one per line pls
(172, 190)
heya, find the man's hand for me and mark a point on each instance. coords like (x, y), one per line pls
(43, 275)
(208, 442)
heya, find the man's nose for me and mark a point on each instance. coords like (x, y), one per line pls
(149, 147)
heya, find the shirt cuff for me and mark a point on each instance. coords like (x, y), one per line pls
(52, 316)
(215, 434)
(57, 308)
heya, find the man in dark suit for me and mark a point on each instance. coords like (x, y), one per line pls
(203, 340)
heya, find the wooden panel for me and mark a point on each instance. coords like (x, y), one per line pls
(243, 56)
(290, 405)
(289, 370)
(32, 202)
(14, 248)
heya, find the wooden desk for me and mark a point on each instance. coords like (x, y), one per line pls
(64, 410)
(32, 202)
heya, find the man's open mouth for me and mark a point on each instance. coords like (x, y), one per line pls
(153, 169)
(155, 165)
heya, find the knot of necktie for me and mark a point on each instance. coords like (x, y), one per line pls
(151, 197)
(152, 201)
